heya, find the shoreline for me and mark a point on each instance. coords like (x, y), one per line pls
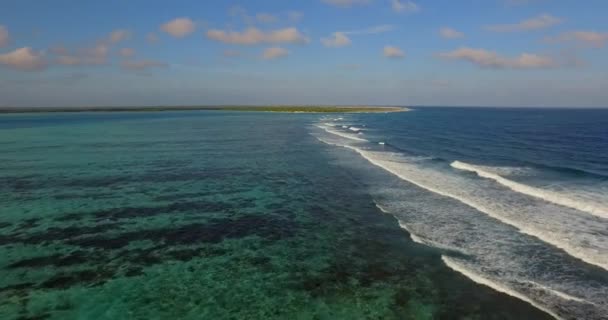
(279, 109)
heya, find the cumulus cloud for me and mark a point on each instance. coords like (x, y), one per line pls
(68, 60)
(119, 35)
(24, 59)
(541, 22)
(3, 36)
(491, 59)
(342, 38)
(346, 3)
(450, 33)
(393, 52)
(404, 6)
(60, 50)
(127, 52)
(141, 65)
(336, 40)
(252, 36)
(274, 53)
(179, 27)
(589, 38)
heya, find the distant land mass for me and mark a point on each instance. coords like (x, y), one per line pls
(292, 109)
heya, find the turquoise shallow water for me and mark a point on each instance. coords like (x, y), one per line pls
(208, 215)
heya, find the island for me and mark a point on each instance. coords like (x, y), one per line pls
(288, 109)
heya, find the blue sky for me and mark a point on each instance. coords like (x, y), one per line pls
(381, 52)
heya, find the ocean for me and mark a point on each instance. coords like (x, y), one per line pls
(435, 213)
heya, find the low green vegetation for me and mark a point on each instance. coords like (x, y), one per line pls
(308, 109)
(328, 109)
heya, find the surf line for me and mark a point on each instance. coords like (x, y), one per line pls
(545, 195)
(343, 135)
(492, 284)
(384, 164)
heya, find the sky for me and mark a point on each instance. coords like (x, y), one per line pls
(537, 53)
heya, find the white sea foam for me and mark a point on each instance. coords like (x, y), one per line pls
(558, 232)
(565, 229)
(381, 208)
(452, 264)
(342, 134)
(558, 293)
(512, 260)
(428, 242)
(355, 129)
(597, 209)
(416, 238)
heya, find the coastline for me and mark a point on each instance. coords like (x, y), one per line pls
(280, 109)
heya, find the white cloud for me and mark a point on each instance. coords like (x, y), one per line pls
(119, 35)
(346, 3)
(4, 37)
(60, 50)
(541, 22)
(591, 38)
(336, 40)
(141, 65)
(253, 36)
(24, 59)
(179, 27)
(275, 53)
(127, 52)
(450, 33)
(266, 18)
(490, 59)
(404, 6)
(393, 52)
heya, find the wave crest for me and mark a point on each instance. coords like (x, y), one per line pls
(596, 209)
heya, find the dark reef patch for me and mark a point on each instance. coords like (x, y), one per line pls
(66, 280)
(177, 243)
(56, 260)
(28, 224)
(213, 231)
(62, 234)
(71, 196)
(18, 184)
(197, 207)
(18, 287)
(42, 316)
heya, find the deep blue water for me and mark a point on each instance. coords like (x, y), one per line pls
(517, 198)
(568, 139)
